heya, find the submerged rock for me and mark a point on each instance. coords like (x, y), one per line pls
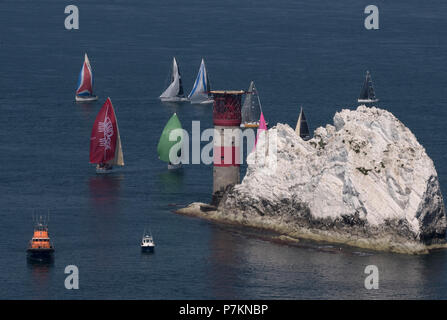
(364, 181)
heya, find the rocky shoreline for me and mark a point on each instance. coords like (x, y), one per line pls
(292, 234)
(364, 182)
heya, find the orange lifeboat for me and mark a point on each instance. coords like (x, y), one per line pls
(40, 245)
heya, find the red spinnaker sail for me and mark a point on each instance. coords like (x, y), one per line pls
(104, 135)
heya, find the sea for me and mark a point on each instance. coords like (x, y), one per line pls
(312, 54)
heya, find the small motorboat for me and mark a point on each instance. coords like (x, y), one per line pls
(147, 243)
(40, 247)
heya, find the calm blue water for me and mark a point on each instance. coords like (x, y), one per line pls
(312, 53)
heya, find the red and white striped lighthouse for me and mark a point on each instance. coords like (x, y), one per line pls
(227, 120)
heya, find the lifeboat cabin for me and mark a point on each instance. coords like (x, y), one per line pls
(40, 245)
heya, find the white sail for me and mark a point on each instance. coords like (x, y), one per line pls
(201, 88)
(175, 89)
(119, 159)
(298, 123)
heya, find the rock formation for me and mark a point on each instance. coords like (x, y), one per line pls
(364, 181)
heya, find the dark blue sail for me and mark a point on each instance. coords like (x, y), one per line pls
(367, 94)
(302, 128)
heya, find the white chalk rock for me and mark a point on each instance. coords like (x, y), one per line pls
(364, 181)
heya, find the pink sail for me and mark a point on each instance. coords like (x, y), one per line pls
(262, 127)
(104, 136)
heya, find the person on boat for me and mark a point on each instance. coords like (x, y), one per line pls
(105, 166)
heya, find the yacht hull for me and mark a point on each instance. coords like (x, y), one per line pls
(367, 100)
(174, 99)
(104, 170)
(40, 254)
(174, 166)
(202, 102)
(86, 99)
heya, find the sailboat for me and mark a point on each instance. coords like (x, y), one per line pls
(302, 128)
(174, 92)
(164, 144)
(367, 95)
(84, 92)
(251, 109)
(200, 91)
(105, 141)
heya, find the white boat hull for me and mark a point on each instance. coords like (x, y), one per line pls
(174, 166)
(104, 171)
(174, 99)
(251, 125)
(202, 102)
(367, 100)
(85, 99)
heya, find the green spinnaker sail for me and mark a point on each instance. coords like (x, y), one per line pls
(164, 145)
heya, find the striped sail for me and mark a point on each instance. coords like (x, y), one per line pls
(201, 88)
(85, 80)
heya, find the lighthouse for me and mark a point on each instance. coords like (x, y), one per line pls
(226, 148)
